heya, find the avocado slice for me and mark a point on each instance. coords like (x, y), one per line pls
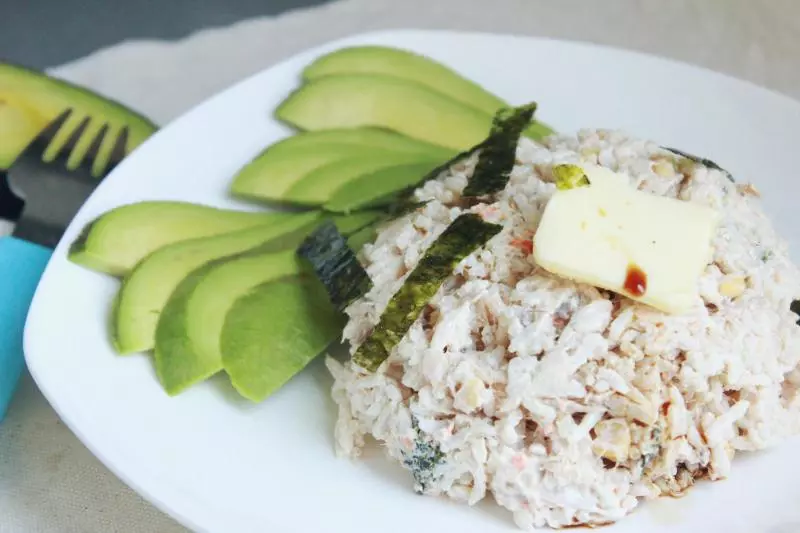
(18, 125)
(187, 351)
(367, 137)
(276, 169)
(377, 100)
(274, 331)
(414, 67)
(117, 240)
(38, 99)
(187, 348)
(356, 241)
(270, 176)
(317, 187)
(146, 290)
(407, 65)
(367, 189)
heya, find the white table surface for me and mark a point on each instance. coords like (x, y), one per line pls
(49, 482)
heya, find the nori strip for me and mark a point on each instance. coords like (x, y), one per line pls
(498, 155)
(499, 152)
(402, 203)
(700, 161)
(466, 234)
(335, 264)
(795, 308)
(424, 459)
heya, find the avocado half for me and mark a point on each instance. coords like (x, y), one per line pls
(29, 100)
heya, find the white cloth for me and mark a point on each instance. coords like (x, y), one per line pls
(48, 481)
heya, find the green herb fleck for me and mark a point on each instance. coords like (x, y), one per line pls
(467, 233)
(423, 460)
(653, 447)
(569, 177)
(335, 264)
(499, 151)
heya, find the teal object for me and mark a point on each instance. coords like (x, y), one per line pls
(21, 266)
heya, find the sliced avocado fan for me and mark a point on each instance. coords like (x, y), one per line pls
(146, 290)
(29, 100)
(187, 345)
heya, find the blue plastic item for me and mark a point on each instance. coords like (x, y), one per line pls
(21, 266)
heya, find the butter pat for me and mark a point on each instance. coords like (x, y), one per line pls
(608, 234)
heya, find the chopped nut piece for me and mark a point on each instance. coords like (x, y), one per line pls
(639, 408)
(590, 154)
(663, 167)
(612, 440)
(677, 415)
(748, 189)
(470, 396)
(732, 286)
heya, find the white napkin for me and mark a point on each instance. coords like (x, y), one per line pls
(48, 481)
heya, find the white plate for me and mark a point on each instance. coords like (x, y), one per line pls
(219, 464)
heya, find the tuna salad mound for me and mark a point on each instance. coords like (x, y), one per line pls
(568, 401)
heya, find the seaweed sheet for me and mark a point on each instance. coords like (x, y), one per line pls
(499, 151)
(335, 264)
(402, 202)
(497, 158)
(700, 161)
(466, 234)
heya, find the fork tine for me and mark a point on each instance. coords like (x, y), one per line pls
(62, 157)
(36, 148)
(94, 149)
(118, 152)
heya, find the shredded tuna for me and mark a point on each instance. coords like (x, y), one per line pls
(568, 404)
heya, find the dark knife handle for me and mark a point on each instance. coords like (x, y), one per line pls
(21, 266)
(11, 205)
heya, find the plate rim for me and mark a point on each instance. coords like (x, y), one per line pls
(39, 374)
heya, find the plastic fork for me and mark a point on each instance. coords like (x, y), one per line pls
(42, 197)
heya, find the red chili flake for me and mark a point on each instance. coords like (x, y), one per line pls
(526, 245)
(635, 281)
